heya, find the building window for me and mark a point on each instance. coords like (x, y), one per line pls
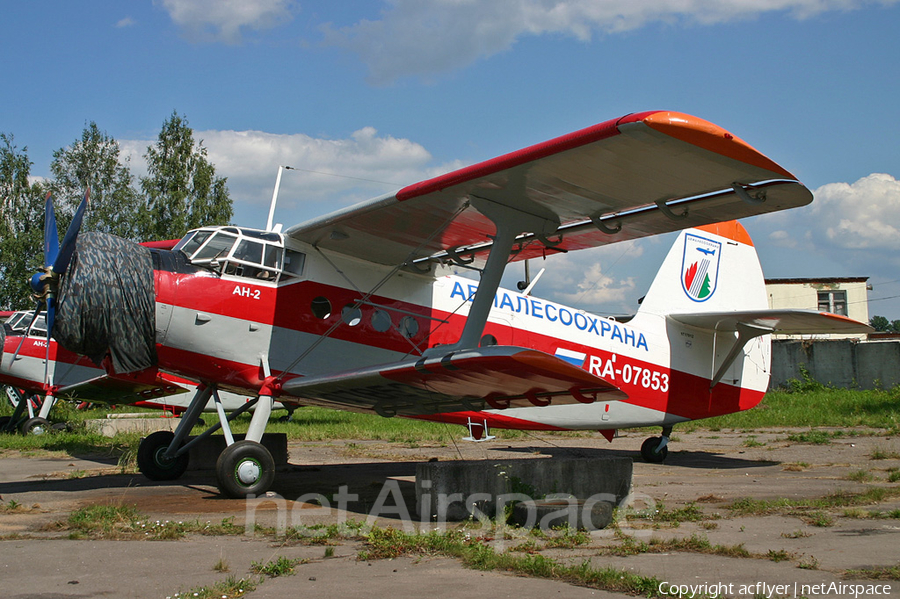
(833, 301)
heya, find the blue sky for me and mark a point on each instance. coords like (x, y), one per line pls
(395, 92)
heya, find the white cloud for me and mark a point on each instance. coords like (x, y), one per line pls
(606, 280)
(223, 20)
(415, 38)
(864, 215)
(126, 22)
(330, 172)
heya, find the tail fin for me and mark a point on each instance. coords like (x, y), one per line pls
(713, 268)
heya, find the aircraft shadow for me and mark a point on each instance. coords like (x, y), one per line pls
(676, 459)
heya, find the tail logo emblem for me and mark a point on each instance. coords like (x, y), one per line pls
(700, 267)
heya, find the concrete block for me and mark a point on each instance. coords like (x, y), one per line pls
(108, 427)
(556, 513)
(205, 453)
(453, 490)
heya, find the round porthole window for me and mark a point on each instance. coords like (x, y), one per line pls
(351, 315)
(408, 326)
(381, 321)
(321, 307)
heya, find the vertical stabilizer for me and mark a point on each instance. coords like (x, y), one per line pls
(713, 268)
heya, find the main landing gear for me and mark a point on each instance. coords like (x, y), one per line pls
(654, 449)
(24, 417)
(244, 468)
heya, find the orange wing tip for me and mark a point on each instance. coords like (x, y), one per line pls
(731, 229)
(708, 136)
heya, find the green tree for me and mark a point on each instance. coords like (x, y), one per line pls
(182, 190)
(21, 226)
(880, 323)
(94, 161)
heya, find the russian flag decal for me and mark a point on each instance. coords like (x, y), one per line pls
(572, 357)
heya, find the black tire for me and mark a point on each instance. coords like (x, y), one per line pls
(150, 458)
(35, 426)
(245, 468)
(61, 427)
(649, 450)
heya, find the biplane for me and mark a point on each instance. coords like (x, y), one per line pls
(364, 308)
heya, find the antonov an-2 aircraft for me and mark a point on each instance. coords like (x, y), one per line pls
(360, 310)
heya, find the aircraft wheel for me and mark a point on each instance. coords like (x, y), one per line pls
(245, 468)
(649, 452)
(153, 464)
(4, 423)
(36, 426)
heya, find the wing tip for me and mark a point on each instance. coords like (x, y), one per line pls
(702, 133)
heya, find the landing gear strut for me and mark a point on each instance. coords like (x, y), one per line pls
(243, 468)
(654, 449)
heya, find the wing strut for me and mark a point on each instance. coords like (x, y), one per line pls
(746, 332)
(510, 223)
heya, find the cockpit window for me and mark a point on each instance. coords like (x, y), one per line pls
(217, 247)
(243, 253)
(192, 241)
(249, 251)
(273, 257)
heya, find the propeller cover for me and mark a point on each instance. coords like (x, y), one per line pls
(106, 303)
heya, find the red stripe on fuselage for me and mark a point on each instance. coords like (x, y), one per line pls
(289, 307)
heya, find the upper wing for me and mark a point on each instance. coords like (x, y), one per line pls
(639, 175)
(797, 322)
(490, 377)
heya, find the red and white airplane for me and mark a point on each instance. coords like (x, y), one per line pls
(360, 309)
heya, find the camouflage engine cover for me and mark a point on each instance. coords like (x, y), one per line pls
(107, 305)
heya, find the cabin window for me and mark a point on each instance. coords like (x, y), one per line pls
(351, 315)
(381, 321)
(321, 307)
(409, 327)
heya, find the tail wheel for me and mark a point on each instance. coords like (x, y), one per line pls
(36, 426)
(152, 461)
(650, 451)
(245, 468)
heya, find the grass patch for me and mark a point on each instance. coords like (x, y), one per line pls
(884, 454)
(273, 568)
(227, 589)
(861, 476)
(124, 522)
(815, 406)
(885, 573)
(389, 543)
(758, 507)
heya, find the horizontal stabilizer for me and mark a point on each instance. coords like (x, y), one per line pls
(788, 322)
(494, 377)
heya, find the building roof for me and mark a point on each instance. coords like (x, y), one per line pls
(800, 280)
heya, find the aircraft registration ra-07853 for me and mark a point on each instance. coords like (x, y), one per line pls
(361, 310)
